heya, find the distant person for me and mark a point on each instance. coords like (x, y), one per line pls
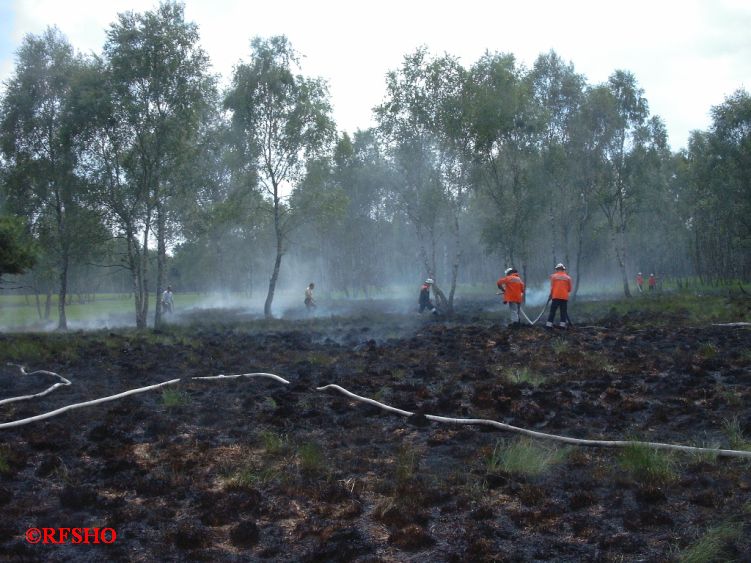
(652, 282)
(167, 300)
(310, 303)
(560, 287)
(640, 282)
(511, 287)
(424, 300)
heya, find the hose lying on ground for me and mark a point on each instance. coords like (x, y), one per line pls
(542, 435)
(61, 410)
(62, 382)
(468, 421)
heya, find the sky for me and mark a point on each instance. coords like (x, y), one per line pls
(687, 55)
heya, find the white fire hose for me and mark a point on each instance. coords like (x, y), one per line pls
(449, 420)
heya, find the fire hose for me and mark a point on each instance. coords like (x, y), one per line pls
(436, 418)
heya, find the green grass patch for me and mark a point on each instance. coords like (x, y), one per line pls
(707, 350)
(714, 545)
(249, 477)
(407, 461)
(524, 375)
(646, 465)
(311, 459)
(524, 457)
(172, 398)
(559, 346)
(734, 433)
(273, 443)
(4, 465)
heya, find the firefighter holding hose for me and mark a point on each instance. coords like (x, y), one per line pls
(511, 287)
(560, 288)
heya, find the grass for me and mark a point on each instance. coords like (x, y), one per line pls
(4, 465)
(707, 350)
(734, 433)
(311, 459)
(249, 477)
(273, 443)
(407, 462)
(559, 346)
(648, 466)
(714, 545)
(524, 375)
(172, 398)
(524, 457)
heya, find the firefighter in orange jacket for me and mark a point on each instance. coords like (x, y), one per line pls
(560, 287)
(512, 288)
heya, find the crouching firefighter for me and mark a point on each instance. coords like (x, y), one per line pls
(424, 300)
(511, 287)
(560, 287)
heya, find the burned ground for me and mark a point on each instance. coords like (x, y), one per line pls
(255, 469)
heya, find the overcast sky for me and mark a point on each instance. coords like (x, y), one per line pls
(687, 55)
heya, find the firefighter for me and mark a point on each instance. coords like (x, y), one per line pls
(310, 303)
(560, 287)
(652, 282)
(640, 282)
(424, 300)
(511, 287)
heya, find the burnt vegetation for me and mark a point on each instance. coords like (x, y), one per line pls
(239, 469)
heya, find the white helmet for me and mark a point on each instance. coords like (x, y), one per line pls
(429, 281)
(560, 266)
(508, 271)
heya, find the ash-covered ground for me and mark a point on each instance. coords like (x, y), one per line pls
(252, 469)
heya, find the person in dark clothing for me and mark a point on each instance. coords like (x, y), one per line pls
(424, 300)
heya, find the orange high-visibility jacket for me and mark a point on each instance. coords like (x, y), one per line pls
(560, 285)
(512, 287)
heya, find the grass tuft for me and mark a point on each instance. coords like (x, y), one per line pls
(311, 459)
(648, 466)
(734, 433)
(524, 457)
(273, 443)
(714, 545)
(172, 398)
(524, 375)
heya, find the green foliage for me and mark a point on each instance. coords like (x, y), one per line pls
(707, 350)
(273, 443)
(734, 433)
(524, 375)
(172, 398)
(524, 457)
(249, 477)
(559, 346)
(406, 464)
(647, 465)
(311, 459)
(17, 252)
(714, 545)
(4, 465)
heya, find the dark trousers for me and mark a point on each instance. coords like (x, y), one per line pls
(561, 304)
